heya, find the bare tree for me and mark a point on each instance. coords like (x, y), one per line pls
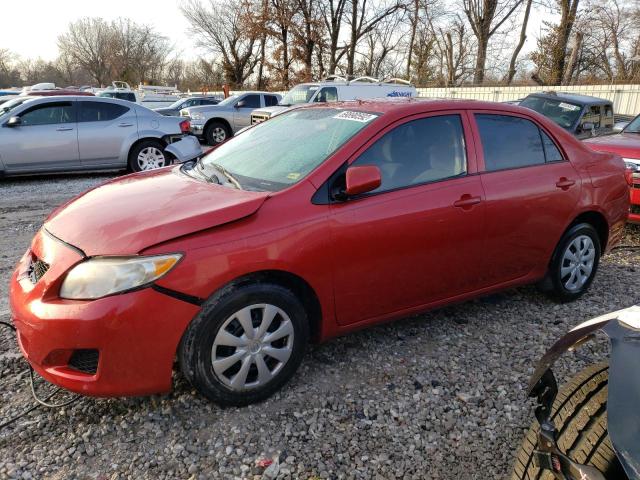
(523, 37)
(486, 17)
(221, 30)
(333, 12)
(88, 42)
(363, 19)
(381, 43)
(308, 31)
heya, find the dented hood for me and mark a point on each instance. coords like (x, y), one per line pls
(131, 213)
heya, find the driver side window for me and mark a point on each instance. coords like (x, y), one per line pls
(419, 151)
(48, 114)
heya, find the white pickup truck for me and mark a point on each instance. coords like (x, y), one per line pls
(334, 89)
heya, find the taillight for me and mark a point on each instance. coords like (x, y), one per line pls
(185, 126)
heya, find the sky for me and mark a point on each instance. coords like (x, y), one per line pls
(48, 19)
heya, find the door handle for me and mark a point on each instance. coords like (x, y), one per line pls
(466, 201)
(564, 183)
(125, 124)
(64, 129)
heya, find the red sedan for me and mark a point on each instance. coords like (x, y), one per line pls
(320, 221)
(627, 145)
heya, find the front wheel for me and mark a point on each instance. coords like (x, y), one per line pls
(148, 155)
(580, 416)
(574, 263)
(245, 343)
(215, 133)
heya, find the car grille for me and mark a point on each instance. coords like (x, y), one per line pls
(258, 118)
(37, 268)
(635, 209)
(85, 361)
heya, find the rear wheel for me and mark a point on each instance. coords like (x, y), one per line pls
(148, 155)
(216, 132)
(245, 343)
(580, 416)
(574, 263)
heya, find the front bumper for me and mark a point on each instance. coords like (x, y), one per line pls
(197, 128)
(135, 334)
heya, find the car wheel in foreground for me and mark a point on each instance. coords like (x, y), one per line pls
(575, 262)
(580, 415)
(216, 132)
(245, 343)
(148, 155)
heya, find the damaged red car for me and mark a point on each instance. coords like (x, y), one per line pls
(627, 145)
(320, 221)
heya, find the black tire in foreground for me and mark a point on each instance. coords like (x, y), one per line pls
(215, 133)
(580, 416)
(574, 263)
(245, 344)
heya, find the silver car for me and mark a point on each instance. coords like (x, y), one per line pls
(217, 123)
(66, 133)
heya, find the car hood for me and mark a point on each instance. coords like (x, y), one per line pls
(126, 215)
(207, 108)
(625, 144)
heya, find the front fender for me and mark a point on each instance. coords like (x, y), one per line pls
(622, 327)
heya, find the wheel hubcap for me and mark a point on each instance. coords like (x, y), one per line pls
(252, 346)
(577, 263)
(219, 135)
(150, 158)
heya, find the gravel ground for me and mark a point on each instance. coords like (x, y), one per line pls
(439, 395)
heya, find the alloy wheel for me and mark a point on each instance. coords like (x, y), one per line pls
(577, 263)
(252, 346)
(150, 158)
(219, 134)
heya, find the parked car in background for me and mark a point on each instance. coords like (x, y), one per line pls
(627, 145)
(6, 98)
(129, 96)
(589, 429)
(580, 115)
(323, 220)
(57, 92)
(217, 123)
(335, 89)
(174, 108)
(51, 134)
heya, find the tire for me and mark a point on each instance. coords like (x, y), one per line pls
(217, 327)
(216, 132)
(580, 415)
(567, 287)
(148, 155)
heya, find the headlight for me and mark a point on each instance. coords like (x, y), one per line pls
(102, 276)
(197, 116)
(632, 164)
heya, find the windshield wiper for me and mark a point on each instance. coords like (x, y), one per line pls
(210, 178)
(227, 174)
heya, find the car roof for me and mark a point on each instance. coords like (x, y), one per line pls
(411, 106)
(573, 97)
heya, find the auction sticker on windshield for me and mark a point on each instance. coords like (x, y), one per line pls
(361, 117)
(568, 106)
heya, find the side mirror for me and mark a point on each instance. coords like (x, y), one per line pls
(14, 122)
(362, 179)
(240, 104)
(588, 127)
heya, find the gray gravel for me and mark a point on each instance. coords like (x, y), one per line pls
(439, 395)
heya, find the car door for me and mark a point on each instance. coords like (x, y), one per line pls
(531, 191)
(243, 108)
(418, 238)
(45, 139)
(105, 128)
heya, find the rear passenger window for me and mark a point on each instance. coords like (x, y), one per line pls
(100, 111)
(420, 151)
(509, 142)
(551, 152)
(270, 100)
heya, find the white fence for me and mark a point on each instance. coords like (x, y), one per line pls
(626, 98)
